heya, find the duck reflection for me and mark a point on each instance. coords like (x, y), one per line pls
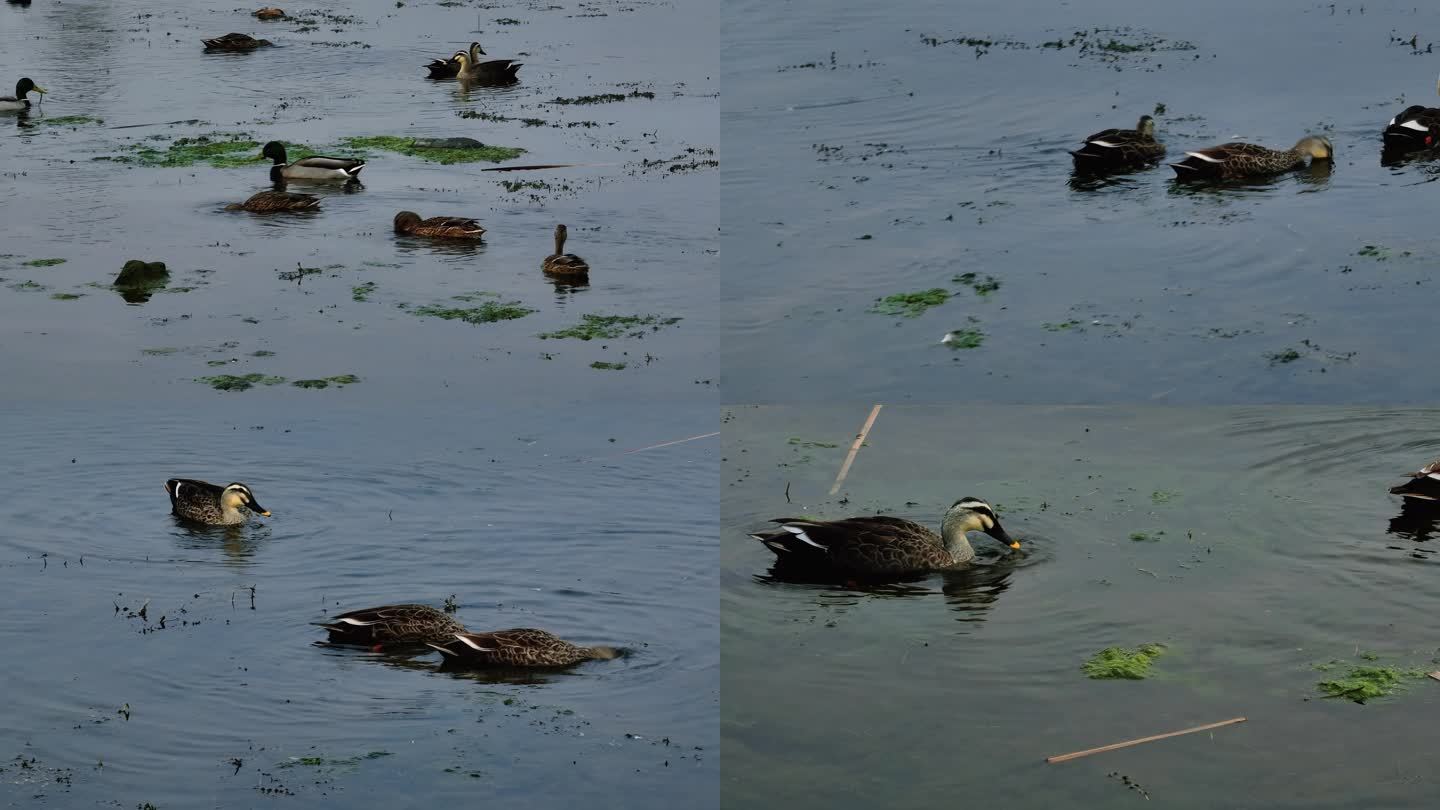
(237, 543)
(1420, 507)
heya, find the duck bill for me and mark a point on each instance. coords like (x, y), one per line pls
(259, 510)
(998, 532)
(37, 88)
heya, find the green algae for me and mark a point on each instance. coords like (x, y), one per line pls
(163, 350)
(799, 442)
(221, 150)
(69, 121)
(244, 382)
(1366, 681)
(604, 98)
(1123, 663)
(28, 286)
(43, 262)
(910, 305)
(1061, 326)
(610, 327)
(329, 762)
(981, 286)
(361, 292)
(326, 382)
(488, 312)
(604, 366)
(406, 146)
(65, 296)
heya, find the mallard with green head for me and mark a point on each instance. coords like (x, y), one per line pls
(1232, 161)
(235, 42)
(492, 71)
(1414, 129)
(392, 626)
(270, 201)
(883, 546)
(18, 101)
(519, 647)
(1423, 485)
(561, 263)
(315, 167)
(1120, 148)
(207, 503)
(409, 223)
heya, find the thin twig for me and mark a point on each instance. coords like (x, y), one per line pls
(1087, 752)
(787, 492)
(1148, 571)
(855, 448)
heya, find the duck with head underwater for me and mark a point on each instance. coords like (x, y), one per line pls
(18, 101)
(1113, 149)
(1416, 128)
(884, 546)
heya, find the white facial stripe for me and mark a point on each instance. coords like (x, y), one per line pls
(1204, 157)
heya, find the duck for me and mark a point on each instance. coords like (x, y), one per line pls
(315, 167)
(1423, 485)
(561, 263)
(267, 202)
(235, 42)
(409, 223)
(208, 503)
(517, 647)
(1230, 161)
(271, 13)
(884, 546)
(19, 101)
(392, 625)
(1416, 128)
(493, 71)
(450, 68)
(1120, 148)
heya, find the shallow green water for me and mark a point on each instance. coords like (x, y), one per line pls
(1269, 545)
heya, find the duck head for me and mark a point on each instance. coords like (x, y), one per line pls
(1316, 146)
(237, 495)
(975, 515)
(275, 151)
(26, 85)
(1146, 126)
(405, 220)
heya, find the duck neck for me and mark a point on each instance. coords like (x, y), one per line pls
(952, 533)
(559, 242)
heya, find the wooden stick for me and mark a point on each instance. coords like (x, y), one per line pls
(855, 448)
(1435, 674)
(1128, 743)
(667, 444)
(530, 168)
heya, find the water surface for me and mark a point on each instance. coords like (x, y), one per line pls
(879, 150)
(1254, 542)
(217, 696)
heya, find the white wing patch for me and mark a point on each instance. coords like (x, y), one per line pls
(178, 484)
(1416, 125)
(801, 535)
(1104, 143)
(356, 622)
(1204, 157)
(472, 645)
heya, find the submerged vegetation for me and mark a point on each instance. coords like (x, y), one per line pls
(488, 312)
(609, 327)
(1367, 681)
(407, 146)
(1122, 662)
(243, 382)
(910, 305)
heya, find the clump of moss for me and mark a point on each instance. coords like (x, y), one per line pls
(604, 366)
(361, 292)
(610, 327)
(69, 121)
(139, 280)
(43, 262)
(1061, 326)
(981, 286)
(28, 286)
(799, 442)
(326, 382)
(604, 98)
(1280, 358)
(244, 382)
(1365, 682)
(406, 146)
(1122, 662)
(221, 150)
(65, 296)
(488, 312)
(912, 304)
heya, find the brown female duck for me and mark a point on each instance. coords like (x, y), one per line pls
(1231, 161)
(204, 502)
(393, 625)
(1120, 148)
(409, 223)
(269, 201)
(1423, 485)
(235, 42)
(561, 263)
(519, 647)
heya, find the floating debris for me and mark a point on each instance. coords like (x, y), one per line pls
(1123, 663)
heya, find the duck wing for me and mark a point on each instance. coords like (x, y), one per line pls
(876, 544)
